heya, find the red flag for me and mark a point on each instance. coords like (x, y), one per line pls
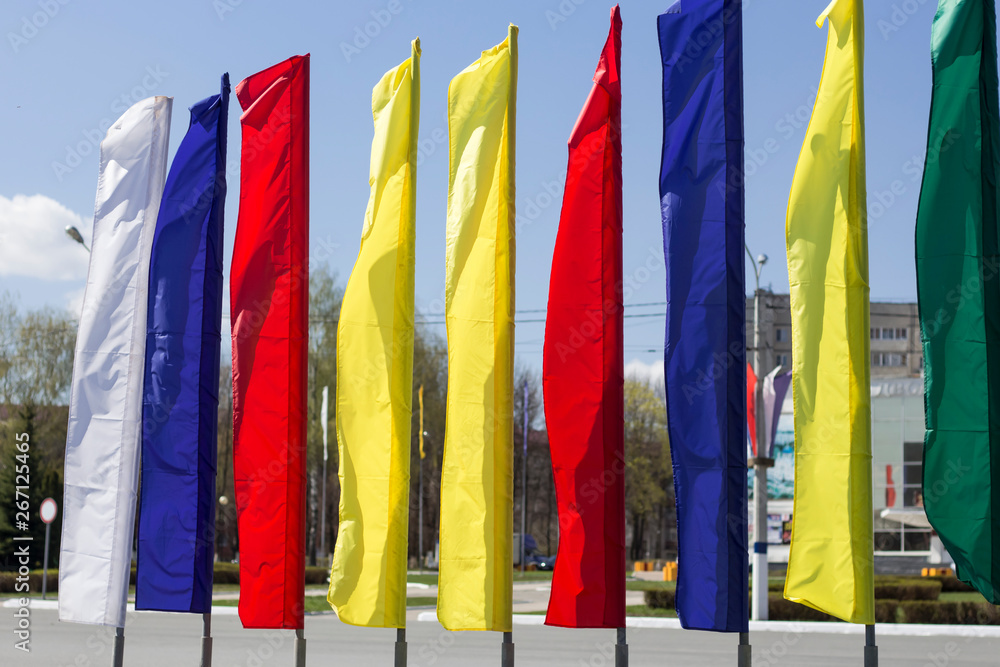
(752, 408)
(890, 488)
(269, 293)
(584, 364)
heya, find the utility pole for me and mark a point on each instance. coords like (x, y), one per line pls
(760, 463)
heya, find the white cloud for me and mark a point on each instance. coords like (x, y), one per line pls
(649, 373)
(74, 302)
(33, 241)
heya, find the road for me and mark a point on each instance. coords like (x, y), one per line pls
(172, 640)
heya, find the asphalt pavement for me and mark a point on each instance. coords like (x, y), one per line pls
(173, 640)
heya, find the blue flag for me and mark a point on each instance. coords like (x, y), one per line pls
(701, 200)
(181, 387)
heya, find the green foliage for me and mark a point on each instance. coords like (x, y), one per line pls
(907, 590)
(659, 599)
(962, 613)
(36, 366)
(648, 475)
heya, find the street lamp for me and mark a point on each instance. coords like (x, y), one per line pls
(759, 463)
(74, 234)
(420, 500)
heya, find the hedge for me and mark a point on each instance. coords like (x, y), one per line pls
(659, 599)
(962, 613)
(907, 589)
(225, 573)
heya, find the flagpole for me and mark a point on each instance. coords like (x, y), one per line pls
(400, 647)
(507, 650)
(118, 657)
(206, 639)
(871, 650)
(420, 485)
(300, 647)
(325, 418)
(744, 657)
(621, 649)
(524, 479)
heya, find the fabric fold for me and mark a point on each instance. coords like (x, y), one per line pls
(269, 304)
(583, 359)
(105, 412)
(176, 538)
(831, 559)
(375, 370)
(958, 290)
(477, 484)
(701, 203)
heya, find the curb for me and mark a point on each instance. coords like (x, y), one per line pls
(791, 627)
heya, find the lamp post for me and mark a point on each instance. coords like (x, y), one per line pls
(74, 234)
(760, 463)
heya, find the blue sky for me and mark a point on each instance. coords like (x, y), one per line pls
(68, 68)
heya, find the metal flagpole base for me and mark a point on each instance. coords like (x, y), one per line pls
(745, 656)
(118, 657)
(621, 650)
(300, 648)
(206, 640)
(400, 647)
(507, 650)
(871, 650)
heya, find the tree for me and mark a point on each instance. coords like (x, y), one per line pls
(36, 368)
(648, 473)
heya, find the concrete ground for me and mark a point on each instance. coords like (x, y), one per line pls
(172, 640)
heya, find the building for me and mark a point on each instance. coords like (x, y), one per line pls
(895, 336)
(903, 538)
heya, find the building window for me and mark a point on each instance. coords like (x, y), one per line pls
(783, 360)
(889, 333)
(913, 474)
(781, 335)
(888, 359)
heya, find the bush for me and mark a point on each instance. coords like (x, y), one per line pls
(886, 611)
(963, 613)
(780, 609)
(8, 582)
(659, 599)
(953, 585)
(225, 573)
(907, 589)
(316, 575)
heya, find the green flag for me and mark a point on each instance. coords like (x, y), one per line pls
(958, 287)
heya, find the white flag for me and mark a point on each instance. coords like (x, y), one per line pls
(105, 411)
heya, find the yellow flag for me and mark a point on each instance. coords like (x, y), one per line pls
(375, 370)
(830, 566)
(474, 583)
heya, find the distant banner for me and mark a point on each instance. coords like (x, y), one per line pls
(831, 561)
(375, 370)
(105, 410)
(701, 200)
(477, 482)
(583, 374)
(175, 554)
(269, 294)
(958, 287)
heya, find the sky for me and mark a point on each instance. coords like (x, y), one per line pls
(69, 68)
